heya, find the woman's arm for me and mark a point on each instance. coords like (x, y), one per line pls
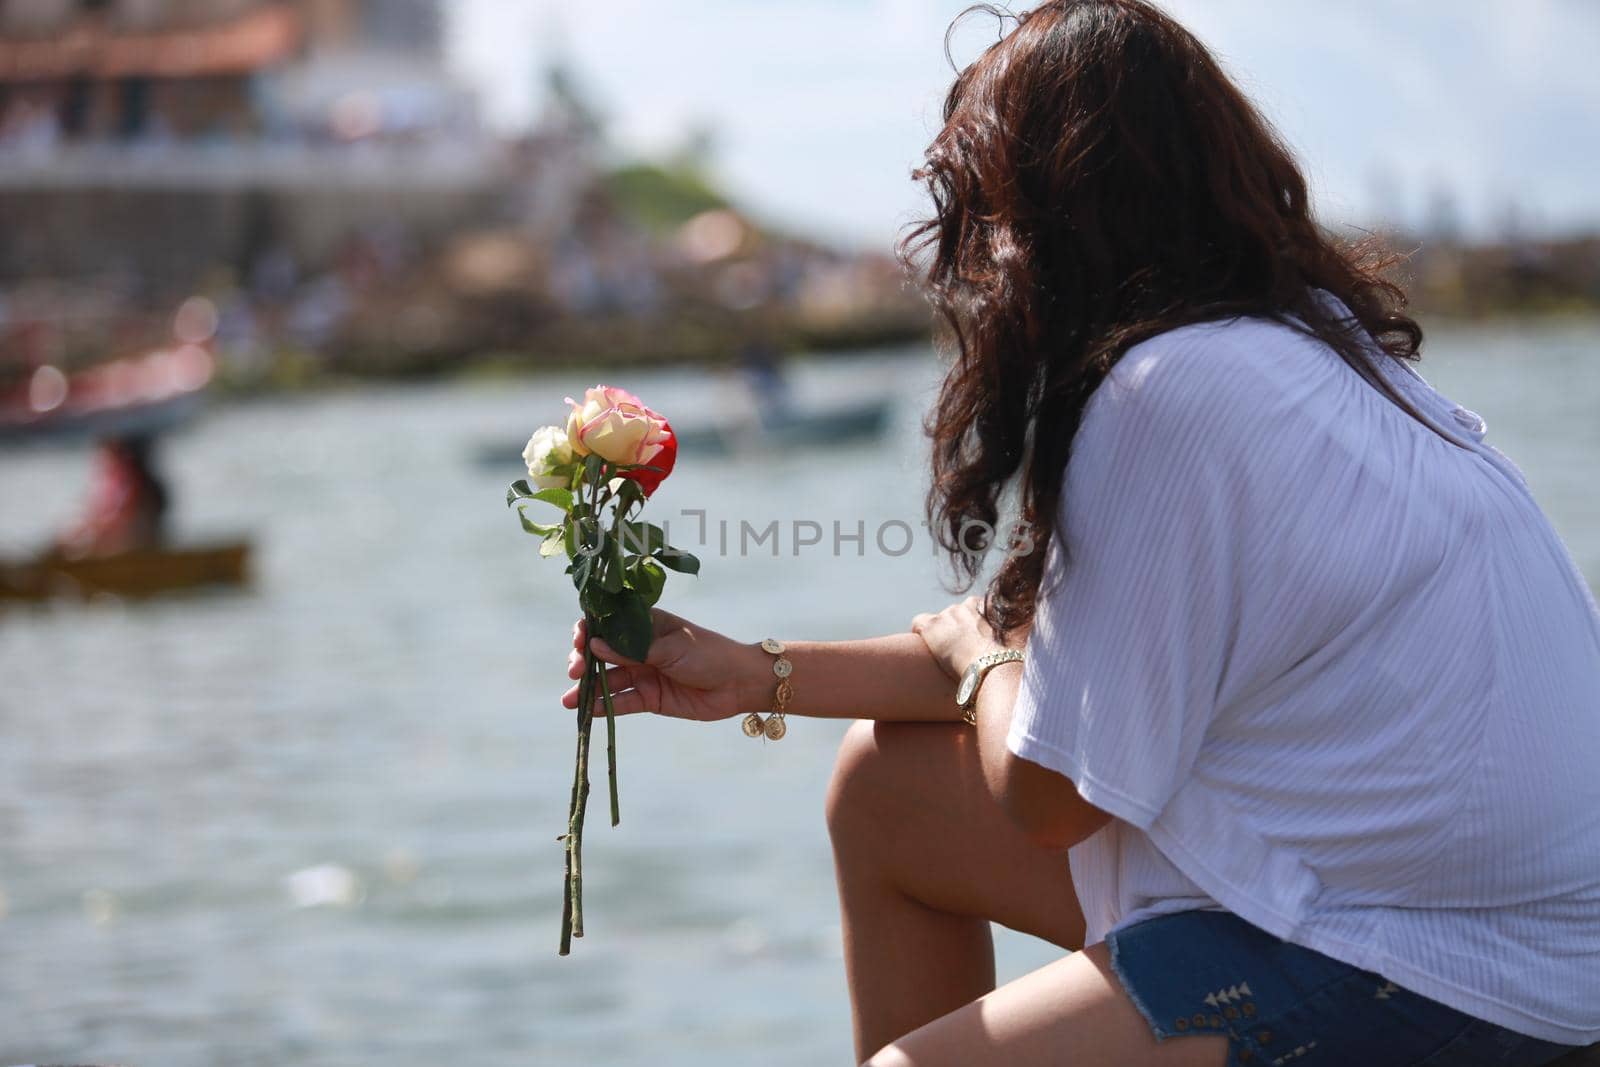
(892, 678)
(1043, 804)
(696, 673)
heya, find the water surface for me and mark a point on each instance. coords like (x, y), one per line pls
(378, 714)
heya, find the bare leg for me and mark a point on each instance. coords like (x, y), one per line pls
(925, 861)
(1072, 1012)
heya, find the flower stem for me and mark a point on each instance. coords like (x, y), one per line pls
(611, 742)
(605, 689)
(572, 883)
(575, 840)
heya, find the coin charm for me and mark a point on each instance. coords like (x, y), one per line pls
(773, 728)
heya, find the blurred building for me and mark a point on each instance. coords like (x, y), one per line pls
(312, 174)
(171, 134)
(122, 70)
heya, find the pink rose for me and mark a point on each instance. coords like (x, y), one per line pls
(615, 425)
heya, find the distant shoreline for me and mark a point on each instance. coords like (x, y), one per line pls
(641, 344)
(607, 344)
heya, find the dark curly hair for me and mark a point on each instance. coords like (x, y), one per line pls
(1099, 179)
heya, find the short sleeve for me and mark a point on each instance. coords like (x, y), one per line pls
(1129, 644)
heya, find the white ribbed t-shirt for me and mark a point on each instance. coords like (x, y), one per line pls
(1329, 671)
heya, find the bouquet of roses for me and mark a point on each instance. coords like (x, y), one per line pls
(598, 471)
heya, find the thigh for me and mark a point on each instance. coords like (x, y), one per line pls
(1072, 1012)
(912, 797)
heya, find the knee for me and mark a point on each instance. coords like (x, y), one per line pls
(892, 1056)
(856, 771)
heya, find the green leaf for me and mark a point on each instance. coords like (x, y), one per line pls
(586, 539)
(538, 529)
(610, 563)
(628, 628)
(561, 498)
(597, 602)
(519, 491)
(553, 544)
(682, 562)
(646, 578)
(643, 538)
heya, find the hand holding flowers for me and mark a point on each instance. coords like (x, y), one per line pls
(690, 673)
(598, 470)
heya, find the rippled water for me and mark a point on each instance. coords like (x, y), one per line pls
(314, 823)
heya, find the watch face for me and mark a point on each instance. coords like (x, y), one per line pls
(969, 686)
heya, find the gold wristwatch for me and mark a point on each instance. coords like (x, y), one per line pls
(967, 694)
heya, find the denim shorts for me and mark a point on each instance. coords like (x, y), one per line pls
(1200, 973)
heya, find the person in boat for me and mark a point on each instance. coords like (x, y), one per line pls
(1280, 714)
(127, 505)
(761, 367)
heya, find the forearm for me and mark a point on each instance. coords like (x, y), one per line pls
(1043, 804)
(892, 678)
(997, 700)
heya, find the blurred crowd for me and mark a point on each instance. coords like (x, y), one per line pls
(307, 179)
(301, 187)
(387, 302)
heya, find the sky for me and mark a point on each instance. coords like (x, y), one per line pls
(1403, 111)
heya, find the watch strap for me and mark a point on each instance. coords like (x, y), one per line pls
(979, 669)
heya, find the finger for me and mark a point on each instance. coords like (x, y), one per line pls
(580, 630)
(672, 640)
(633, 690)
(631, 702)
(622, 682)
(598, 646)
(575, 665)
(670, 648)
(617, 679)
(664, 622)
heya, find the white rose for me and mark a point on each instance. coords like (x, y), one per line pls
(548, 450)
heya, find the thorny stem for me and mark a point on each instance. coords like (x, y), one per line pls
(575, 840)
(571, 889)
(611, 742)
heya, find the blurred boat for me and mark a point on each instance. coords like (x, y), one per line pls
(786, 429)
(131, 420)
(134, 396)
(137, 574)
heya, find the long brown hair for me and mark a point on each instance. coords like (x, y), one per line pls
(1100, 180)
